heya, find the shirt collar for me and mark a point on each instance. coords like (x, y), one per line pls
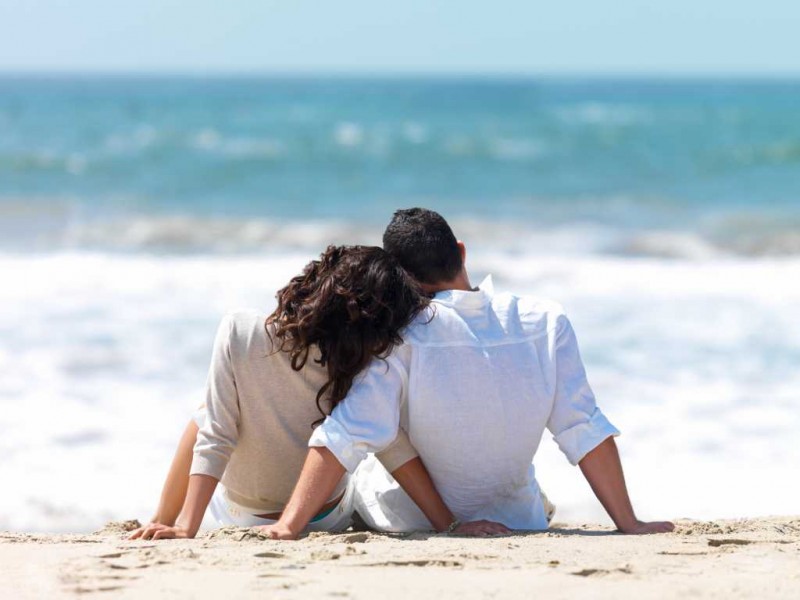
(461, 299)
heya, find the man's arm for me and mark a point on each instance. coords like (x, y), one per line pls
(322, 471)
(603, 470)
(586, 437)
(367, 420)
(414, 478)
(403, 462)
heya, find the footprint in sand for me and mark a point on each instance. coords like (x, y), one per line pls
(601, 572)
(429, 562)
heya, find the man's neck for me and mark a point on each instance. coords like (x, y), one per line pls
(460, 282)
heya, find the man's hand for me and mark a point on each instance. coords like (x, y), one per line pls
(157, 531)
(481, 528)
(603, 470)
(277, 531)
(643, 528)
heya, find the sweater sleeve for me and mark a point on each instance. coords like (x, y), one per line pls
(577, 424)
(398, 453)
(219, 432)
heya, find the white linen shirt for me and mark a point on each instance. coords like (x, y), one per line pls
(476, 381)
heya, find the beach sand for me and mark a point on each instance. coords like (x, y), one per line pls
(753, 558)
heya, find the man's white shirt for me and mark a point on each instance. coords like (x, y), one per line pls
(476, 381)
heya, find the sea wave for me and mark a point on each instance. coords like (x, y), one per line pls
(193, 234)
(780, 152)
(72, 162)
(345, 140)
(597, 113)
(102, 344)
(52, 225)
(210, 140)
(213, 235)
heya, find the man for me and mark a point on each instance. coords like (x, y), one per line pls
(474, 384)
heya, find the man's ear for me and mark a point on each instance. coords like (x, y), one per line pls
(462, 249)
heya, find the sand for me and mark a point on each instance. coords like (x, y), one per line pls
(755, 558)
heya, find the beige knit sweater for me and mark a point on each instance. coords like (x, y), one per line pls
(259, 415)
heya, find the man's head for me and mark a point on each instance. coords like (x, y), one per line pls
(423, 243)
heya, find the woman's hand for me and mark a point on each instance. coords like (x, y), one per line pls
(158, 531)
(198, 495)
(277, 531)
(481, 528)
(137, 533)
(643, 527)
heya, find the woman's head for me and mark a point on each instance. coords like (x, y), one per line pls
(351, 304)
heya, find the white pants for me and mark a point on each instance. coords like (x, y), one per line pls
(384, 506)
(227, 512)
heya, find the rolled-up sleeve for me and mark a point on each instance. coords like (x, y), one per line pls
(219, 431)
(577, 424)
(367, 420)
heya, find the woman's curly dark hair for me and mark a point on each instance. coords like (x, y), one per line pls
(351, 304)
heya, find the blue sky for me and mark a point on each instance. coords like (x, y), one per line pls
(731, 37)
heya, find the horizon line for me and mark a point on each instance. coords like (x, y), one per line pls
(403, 74)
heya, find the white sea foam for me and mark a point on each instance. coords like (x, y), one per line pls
(670, 244)
(143, 136)
(348, 134)
(597, 113)
(414, 132)
(102, 358)
(206, 139)
(209, 140)
(517, 148)
(198, 234)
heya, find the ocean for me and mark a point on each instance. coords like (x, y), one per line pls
(663, 214)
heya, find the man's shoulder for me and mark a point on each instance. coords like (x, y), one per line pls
(530, 316)
(435, 323)
(510, 315)
(530, 306)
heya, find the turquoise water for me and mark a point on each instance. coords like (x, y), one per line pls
(718, 159)
(664, 216)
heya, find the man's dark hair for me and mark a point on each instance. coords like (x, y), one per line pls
(423, 243)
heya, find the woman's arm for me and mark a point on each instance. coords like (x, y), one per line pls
(198, 495)
(199, 465)
(173, 494)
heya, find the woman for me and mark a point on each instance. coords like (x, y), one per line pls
(272, 379)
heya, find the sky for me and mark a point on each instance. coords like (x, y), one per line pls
(570, 37)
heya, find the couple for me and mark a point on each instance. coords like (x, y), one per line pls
(391, 352)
